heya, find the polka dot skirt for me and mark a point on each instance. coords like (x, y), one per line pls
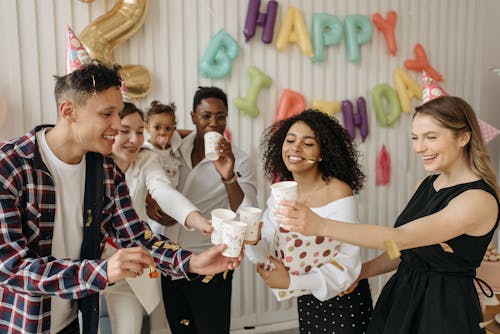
(348, 314)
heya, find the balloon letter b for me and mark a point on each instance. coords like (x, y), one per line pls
(326, 31)
(385, 118)
(266, 20)
(293, 30)
(291, 103)
(258, 80)
(358, 31)
(221, 51)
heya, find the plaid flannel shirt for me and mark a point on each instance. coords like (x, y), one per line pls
(29, 275)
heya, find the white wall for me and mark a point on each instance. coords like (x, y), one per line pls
(460, 37)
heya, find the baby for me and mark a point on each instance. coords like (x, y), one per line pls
(161, 126)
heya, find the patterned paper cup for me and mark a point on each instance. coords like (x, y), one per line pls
(218, 217)
(251, 216)
(233, 234)
(211, 138)
(285, 190)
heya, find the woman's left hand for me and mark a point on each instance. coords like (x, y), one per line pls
(295, 216)
(277, 278)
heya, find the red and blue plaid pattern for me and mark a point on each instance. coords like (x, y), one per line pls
(29, 275)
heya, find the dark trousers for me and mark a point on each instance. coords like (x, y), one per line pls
(72, 328)
(194, 307)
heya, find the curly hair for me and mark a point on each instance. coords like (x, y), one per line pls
(80, 84)
(339, 153)
(158, 108)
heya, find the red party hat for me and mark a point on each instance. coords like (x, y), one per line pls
(76, 55)
(431, 89)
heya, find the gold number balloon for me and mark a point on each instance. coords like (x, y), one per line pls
(119, 24)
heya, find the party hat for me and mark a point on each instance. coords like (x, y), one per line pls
(488, 131)
(124, 91)
(76, 55)
(431, 89)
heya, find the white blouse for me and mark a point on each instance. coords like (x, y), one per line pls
(309, 258)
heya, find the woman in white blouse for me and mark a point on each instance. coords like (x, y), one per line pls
(128, 299)
(315, 151)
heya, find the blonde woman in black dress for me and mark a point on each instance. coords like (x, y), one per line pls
(443, 232)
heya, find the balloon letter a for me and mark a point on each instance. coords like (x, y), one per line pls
(293, 30)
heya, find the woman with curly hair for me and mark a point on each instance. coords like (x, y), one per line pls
(443, 232)
(315, 151)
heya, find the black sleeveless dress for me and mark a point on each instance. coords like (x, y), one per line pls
(432, 290)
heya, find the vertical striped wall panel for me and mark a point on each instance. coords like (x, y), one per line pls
(457, 35)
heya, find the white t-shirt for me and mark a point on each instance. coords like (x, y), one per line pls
(69, 181)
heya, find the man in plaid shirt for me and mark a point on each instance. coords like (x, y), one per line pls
(42, 186)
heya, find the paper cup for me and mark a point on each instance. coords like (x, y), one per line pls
(233, 234)
(251, 216)
(211, 138)
(218, 217)
(285, 190)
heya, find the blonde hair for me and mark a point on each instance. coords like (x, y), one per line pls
(458, 116)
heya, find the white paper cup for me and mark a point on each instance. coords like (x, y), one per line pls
(218, 217)
(211, 138)
(251, 216)
(285, 190)
(233, 234)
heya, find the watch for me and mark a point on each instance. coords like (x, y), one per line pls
(232, 179)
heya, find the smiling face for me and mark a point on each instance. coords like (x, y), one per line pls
(161, 125)
(95, 123)
(129, 140)
(439, 147)
(300, 150)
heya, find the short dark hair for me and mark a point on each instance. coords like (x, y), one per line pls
(80, 84)
(130, 108)
(338, 152)
(158, 108)
(207, 92)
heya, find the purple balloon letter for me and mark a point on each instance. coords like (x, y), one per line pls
(267, 20)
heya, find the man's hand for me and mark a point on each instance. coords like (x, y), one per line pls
(196, 220)
(225, 163)
(128, 262)
(212, 261)
(277, 278)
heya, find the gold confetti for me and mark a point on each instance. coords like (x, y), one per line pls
(185, 322)
(446, 247)
(171, 246)
(224, 275)
(207, 278)
(158, 244)
(148, 234)
(392, 249)
(336, 264)
(282, 294)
